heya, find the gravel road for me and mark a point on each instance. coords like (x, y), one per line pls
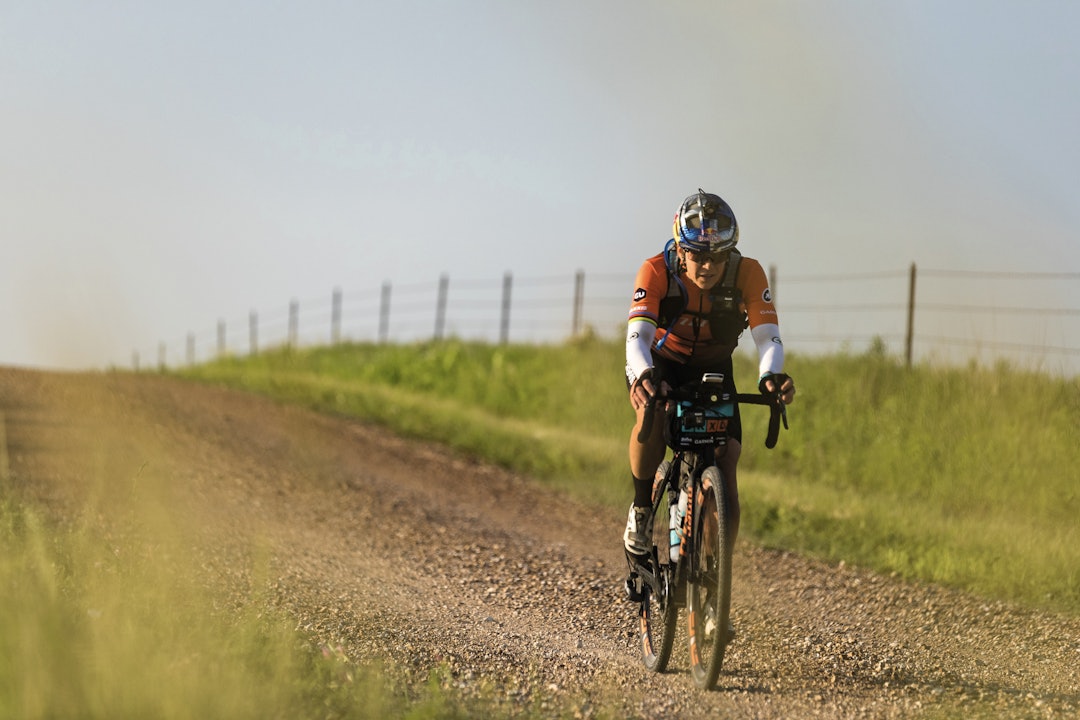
(381, 546)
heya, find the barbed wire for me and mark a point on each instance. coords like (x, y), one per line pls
(997, 345)
(551, 308)
(846, 277)
(1001, 275)
(998, 309)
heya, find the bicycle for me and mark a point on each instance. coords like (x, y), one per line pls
(690, 562)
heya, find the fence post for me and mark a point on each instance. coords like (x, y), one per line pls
(440, 306)
(253, 333)
(161, 357)
(335, 317)
(384, 312)
(910, 341)
(772, 283)
(504, 321)
(579, 299)
(135, 360)
(221, 338)
(294, 322)
(191, 349)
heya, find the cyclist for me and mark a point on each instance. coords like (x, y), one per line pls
(690, 306)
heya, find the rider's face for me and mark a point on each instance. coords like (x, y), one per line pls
(704, 269)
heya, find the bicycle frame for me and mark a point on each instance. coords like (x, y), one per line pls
(684, 474)
(688, 463)
(696, 580)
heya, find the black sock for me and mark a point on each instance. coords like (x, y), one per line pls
(642, 493)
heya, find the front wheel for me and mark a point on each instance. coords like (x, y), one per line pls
(709, 592)
(659, 612)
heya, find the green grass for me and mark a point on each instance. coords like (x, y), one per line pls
(110, 615)
(961, 476)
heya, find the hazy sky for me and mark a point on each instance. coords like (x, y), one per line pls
(165, 165)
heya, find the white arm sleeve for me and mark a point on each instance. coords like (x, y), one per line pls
(639, 337)
(770, 348)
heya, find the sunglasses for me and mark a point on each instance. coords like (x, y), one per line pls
(701, 257)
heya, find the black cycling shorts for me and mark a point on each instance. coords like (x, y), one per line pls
(677, 374)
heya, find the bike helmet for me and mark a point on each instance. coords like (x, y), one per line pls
(705, 223)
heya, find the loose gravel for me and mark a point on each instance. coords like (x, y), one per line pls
(388, 548)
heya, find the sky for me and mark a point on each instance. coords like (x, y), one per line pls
(168, 165)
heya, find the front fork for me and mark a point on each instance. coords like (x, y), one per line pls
(681, 474)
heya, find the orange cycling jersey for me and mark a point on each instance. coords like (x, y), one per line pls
(690, 335)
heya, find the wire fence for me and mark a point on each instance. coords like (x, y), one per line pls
(927, 314)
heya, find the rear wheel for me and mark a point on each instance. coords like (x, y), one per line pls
(659, 612)
(709, 591)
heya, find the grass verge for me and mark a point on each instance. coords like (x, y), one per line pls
(118, 619)
(965, 477)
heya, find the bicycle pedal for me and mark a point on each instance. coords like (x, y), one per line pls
(630, 587)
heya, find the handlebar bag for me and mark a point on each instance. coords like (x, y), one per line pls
(689, 425)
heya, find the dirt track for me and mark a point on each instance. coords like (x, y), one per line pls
(388, 546)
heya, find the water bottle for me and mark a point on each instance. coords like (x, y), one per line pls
(676, 531)
(678, 512)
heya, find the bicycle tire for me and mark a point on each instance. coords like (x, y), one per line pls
(659, 614)
(709, 582)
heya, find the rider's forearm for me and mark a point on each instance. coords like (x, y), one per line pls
(639, 338)
(770, 348)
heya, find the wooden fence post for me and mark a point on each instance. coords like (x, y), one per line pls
(335, 317)
(294, 323)
(910, 340)
(440, 306)
(504, 320)
(161, 356)
(253, 333)
(772, 283)
(579, 300)
(221, 338)
(191, 349)
(384, 313)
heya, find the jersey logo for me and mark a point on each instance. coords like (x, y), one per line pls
(639, 294)
(767, 295)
